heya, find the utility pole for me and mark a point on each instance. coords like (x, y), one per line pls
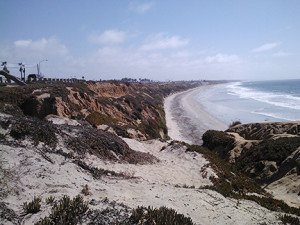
(39, 66)
(21, 69)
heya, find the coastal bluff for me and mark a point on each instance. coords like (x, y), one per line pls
(267, 152)
(99, 153)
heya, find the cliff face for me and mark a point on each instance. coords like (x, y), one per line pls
(273, 155)
(266, 152)
(127, 109)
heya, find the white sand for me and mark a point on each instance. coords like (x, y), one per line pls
(186, 118)
(154, 185)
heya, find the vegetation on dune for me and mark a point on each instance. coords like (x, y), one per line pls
(234, 123)
(262, 161)
(76, 210)
(98, 173)
(66, 211)
(96, 118)
(272, 150)
(32, 207)
(232, 183)
(163, 215)
(287, 219)
(38, 131)
(106, 146)
(218, 141)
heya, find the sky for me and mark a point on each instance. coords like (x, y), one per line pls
(159, 40)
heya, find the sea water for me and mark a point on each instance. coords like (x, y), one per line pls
(249, 102)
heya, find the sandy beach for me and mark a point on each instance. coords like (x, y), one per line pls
(186, 118)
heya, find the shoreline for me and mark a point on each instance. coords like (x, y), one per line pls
(186, 119)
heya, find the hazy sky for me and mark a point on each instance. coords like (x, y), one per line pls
(160, 40)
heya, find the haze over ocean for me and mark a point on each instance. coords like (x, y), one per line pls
(256, 101)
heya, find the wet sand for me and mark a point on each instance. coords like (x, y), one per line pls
(186, 118)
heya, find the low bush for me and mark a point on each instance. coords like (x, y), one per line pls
(32, 207)
(163, 215)
(50, 200)
(66, 211)
(19, 131)
(218, 141)
(272, 150)
(287, 219)
(232, 183)
(36, 130)
(234, 123)
(96, 119)
(229, 181)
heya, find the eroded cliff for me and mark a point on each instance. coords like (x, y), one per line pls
(126, 109)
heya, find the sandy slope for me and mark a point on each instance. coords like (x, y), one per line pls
(154, 185)
(186, 119)
(173, 182)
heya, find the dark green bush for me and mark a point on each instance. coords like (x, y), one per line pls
(66, 211)
(32, 207)
(229, 181)
(218, 141)
(272, 150)
(232, 183)
(287, 219)
(50, 200)
(36, 130)
(163, 216)
(234, 123)
(96, 119)
(19, 131)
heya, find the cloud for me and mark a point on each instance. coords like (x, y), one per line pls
(23, 43)
(161, 41)
(221, 58)
(140, 8)
(266, 47)
(117, 61)
(108, 37)
(182, 54)
(30, 52)
(281, 54)
(44, 45)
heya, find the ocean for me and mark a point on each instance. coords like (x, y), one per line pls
(255, 101)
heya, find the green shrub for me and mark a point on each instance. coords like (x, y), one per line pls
(32, 207)
(232, 183)
(67, 211)
(50, 200)
(272, 150)
(96, 119)
(234, 123)
(287, 219)
(163, 215)
(19, 131)
(229, 181)
(218, 141)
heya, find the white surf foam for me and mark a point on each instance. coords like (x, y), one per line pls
(276, 99)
